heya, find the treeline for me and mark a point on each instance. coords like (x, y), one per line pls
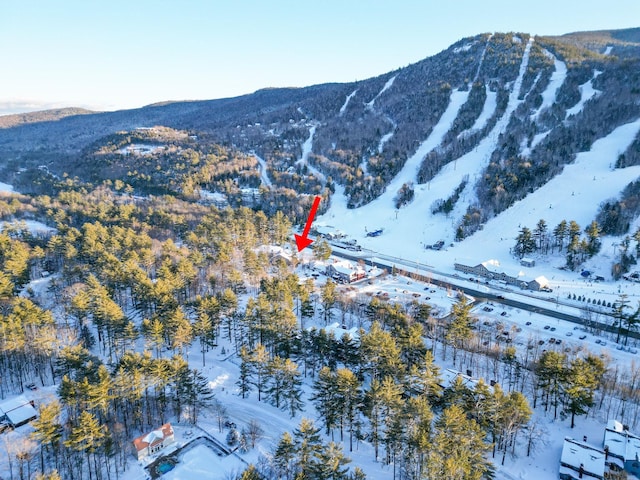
(564, 237)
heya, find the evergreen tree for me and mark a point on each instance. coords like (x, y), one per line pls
(580, 383)
(458, 448)
(525, 243)
(460, 327)
(284, 457)
(308, 447)
(540, 234)
(560, 234)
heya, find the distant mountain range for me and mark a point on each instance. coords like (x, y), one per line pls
(524, 106)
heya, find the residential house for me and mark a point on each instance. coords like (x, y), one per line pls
(527, 262)
(154, 441)
(17, 411)
(622, 448)
(344, 272)
(538, 284)
(580, 460)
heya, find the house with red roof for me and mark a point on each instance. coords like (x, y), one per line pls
(153, 441)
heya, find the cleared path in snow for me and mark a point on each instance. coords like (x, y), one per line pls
(575, 194)
(587, 92)
(384, 89)
(306, 150)
(263, 171)
(346, 102)
(555, 82)
(415, 220)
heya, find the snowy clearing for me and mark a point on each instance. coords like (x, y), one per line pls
(587, 92)
(343, 108)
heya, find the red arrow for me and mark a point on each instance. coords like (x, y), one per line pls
(301, 240)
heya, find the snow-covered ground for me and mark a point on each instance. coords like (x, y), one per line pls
(384, 89)
(559, 199)
(415, 221)
(263, 171)
(5, 187)
(343, 108)
(587, 92)
(488, 108)
(555, 82)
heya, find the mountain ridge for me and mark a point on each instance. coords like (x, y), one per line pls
(552, 98)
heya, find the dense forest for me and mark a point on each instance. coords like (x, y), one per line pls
(134, 282)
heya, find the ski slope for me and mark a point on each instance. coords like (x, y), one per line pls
(263, 171)
(343, 108)
(575, 194)
(489, 107)
(306, 150)
(555, 82)
(587, 92)
(415, 221)
(384, 89)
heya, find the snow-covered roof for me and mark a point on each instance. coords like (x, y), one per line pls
(449, 377)
(576, 454)
(154, 437)
(621, 442)
(542, 280)
(18, 410)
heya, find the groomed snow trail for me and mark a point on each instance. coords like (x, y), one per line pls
(263, 171)
(574, 194)
(306, 150)
(555, 82)
(414, 222)
(489, 107)
(587, 92)
(346, 102)
(409, 171)
(384, 89)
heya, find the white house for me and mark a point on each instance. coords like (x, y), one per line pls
(17, 411)
(622, 448)
(580, 460)
(154, 441)
(345, 272)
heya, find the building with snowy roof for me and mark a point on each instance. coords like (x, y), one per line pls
(622, 448)
(491, 269)
(580, 460)
(154, 441)
(17, 411)
(345, 272)
(538, 283)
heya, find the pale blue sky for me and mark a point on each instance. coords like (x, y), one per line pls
(109, 54)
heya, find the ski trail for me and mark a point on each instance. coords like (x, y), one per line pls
(415, 220)
(587, 92)
(409, 171)
(475, 78)
(304, 158)
(565, 197)
(387, 136)
(489, 107)
(346, 102)
(411, 167)
(473, 163)
(384, 89)
(555, 82)
(263, 171)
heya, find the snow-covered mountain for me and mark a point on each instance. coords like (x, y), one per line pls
(498, 129)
